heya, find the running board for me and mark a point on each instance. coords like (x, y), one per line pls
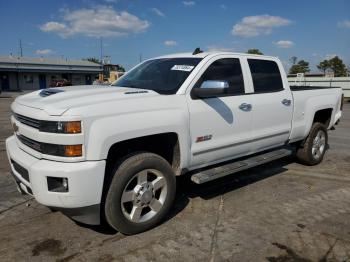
(231, 168)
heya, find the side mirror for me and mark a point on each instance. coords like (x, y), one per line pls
(210, 88)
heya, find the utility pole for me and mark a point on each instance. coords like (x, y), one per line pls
(20, 48)
(101, 50)
(140, 57)
(101, 75)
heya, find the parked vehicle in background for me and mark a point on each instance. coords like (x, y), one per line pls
(114, 152)
(98, 82)
(60, 83)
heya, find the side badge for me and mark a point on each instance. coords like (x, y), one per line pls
(203, 138)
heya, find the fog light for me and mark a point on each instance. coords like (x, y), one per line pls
(65, 183)
(57, 184)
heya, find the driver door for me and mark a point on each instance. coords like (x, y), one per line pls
(221, 126)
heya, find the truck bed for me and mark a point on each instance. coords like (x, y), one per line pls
(311, 99)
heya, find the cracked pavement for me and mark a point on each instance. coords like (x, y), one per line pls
(281, 211)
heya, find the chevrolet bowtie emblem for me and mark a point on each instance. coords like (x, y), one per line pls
(15, 127)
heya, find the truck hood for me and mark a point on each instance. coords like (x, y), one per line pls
(56, 101)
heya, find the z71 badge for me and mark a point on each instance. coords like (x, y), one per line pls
(203, 138)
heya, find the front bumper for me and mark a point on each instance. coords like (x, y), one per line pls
(85, 180)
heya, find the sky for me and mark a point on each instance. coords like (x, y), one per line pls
(312, 30)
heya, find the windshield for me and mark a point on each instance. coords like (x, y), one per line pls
(164, 75)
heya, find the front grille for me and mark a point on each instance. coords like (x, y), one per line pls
(28, 121)
(20, 170)
(44, 148)
(30, 143)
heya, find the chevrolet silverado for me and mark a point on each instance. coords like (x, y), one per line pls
(113, 153)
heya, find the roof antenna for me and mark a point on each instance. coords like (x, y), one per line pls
(197, 51)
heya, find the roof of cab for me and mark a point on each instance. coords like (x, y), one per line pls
(205, 54)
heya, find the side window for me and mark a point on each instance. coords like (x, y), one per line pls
(227, 69)
(266, 76)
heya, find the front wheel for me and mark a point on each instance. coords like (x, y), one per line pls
(314, 147)
(141, 193)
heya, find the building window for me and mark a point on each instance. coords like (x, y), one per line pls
(28, 79)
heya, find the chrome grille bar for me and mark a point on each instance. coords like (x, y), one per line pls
(30, 143)
(27, 121)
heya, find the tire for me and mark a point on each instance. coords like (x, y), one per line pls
(312, 152)
(143, 181)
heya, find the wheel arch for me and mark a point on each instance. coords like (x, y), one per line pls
(167, 145)
(323, 116)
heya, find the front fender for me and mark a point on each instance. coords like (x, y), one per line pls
(106, 131)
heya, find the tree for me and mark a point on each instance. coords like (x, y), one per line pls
(337, 66)
(323, 66)
(120, 68)
(301, 66)
(254, 51)
(293, 60)
(93, 60)
(304, 66)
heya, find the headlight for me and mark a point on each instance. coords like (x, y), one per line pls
(64, 127)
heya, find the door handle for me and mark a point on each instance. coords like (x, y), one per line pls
(286, 102)
(245, 107)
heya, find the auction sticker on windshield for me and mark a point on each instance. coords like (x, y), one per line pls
(186, 68)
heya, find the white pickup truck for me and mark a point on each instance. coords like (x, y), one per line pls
(113, 153)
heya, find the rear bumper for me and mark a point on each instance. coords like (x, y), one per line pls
(85, 182)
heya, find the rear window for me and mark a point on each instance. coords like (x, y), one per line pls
(266, 76)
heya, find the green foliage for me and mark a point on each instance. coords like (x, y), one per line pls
(93, 60)
(323, 65)
(337, 66)
(120, 68)
(300, 66)
(254, 51)
(293, 60)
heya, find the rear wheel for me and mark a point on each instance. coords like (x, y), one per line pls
(141, 193)
(314, 147)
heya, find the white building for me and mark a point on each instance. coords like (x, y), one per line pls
(321, 80)
(25, 73)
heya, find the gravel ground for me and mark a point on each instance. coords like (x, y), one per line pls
(281, 211)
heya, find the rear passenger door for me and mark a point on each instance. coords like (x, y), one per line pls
(272, 104)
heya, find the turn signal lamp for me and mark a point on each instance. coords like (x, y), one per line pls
(73, 150)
